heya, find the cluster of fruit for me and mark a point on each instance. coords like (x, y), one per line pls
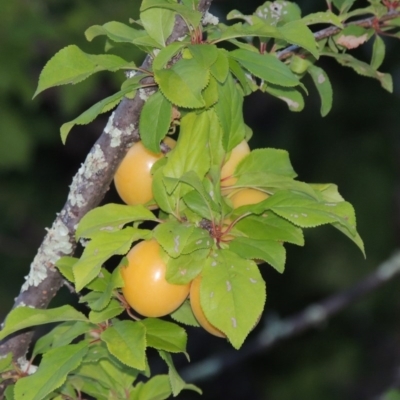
(146, 289)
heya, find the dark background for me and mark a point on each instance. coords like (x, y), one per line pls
(354, 356)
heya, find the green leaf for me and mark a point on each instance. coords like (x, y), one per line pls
(173, 236)
(210, 93)
(229, 110)
(166, 202)
(220, 68)
(65, 265)
(292, 97)
(165, 54)
(267, 67)
(270, 226)
(190, 152)
(229, 284)
(61, 335)
(103, 246)
(164, 335)
(157, 388)
(279, 11)
(112, 310)
(72, 65)
(25, 317)
(184, 315)
(192, 17)
(155, 120)
(158, 24)
(187, 75)
(273, 161)
(182, 270)
(205, 54)
(126, 340)
(324, 88)
(297, 32)
(111, 218)
(322, 17)
(9, 392)
(116, 31)
(363, 69)
(177, 383)
(240, 75)
(52, 372)
(343, 5)
(270, 251)
(96, 109)
(378, 52)
(6, 363)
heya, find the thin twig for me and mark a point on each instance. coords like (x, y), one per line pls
(312, 316)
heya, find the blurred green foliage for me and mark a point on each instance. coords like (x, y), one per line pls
(356, 146)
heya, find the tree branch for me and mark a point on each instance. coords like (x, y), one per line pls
(87, 190)
(334, 30)
(312, 316)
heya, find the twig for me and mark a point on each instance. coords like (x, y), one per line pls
(311, 317)
(333, 30)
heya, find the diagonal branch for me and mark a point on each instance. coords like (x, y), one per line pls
(88, 188)
(312, 316)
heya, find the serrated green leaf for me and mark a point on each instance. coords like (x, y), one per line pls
(157, 388)
(229, 284)
(292, 97)
(164, 56)
(177, 383)
(307, 212)
(158, 24)
(278, 12)
(240, 75)
(65, 265)
(267, 67)
(187, 75)
(182, 270)
(25, 317)
(270, 226)
(205, 54)
(61, 335)
(270, 251)
(220, 68)
(91, 113)
(329, 192)
(229, 110)
(111, 218)
(192, 17)
(52, 372)
(164, 335)
(103, 246)
(324, 88)
(274, 161)
(378, 52)
(210, 93)
(184, 315)
(322, 17)
(112, 310)
(343, 5)
(126, 340)
(297, 32)
(72, 65)
(89, 372)
(154, 122)
(363, 69)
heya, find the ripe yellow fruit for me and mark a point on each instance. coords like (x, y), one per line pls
(146, 289)
(237, 154)
(133, 178)
(198, 311)
(247, 196)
